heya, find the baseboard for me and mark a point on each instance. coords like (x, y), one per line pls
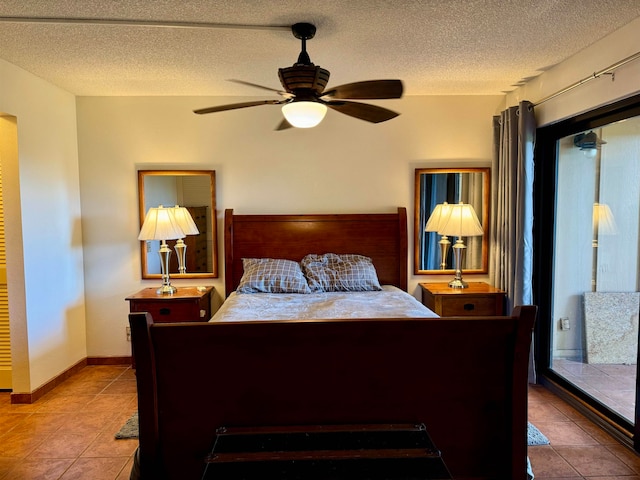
(109, 361)
(50, 385)
(54, 382)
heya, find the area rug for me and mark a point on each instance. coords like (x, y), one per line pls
(535, 436)
(129, 429)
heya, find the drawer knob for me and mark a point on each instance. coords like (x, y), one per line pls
(469, 306)
(165, 311)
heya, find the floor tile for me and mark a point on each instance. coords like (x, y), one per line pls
(63, 445)
(20, 444)
(590, 461)
(66, 403)
(547, 463)
(546, 412)
(95, 469)
(106, 445)
(6, 465)
(39, 469)
(565, 433)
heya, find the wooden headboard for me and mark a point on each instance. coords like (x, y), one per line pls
(380, 236)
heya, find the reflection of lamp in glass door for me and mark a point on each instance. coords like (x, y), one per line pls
(436, 220)
(461, 222)
(188, 227)
(603, 221)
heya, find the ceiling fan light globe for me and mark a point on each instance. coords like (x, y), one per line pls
(304, 114)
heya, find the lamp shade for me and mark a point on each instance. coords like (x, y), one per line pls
(437, 218)
(160, 224)
(185, 220)
(461, 222)
(304, 114)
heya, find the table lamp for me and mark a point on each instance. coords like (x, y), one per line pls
(461, 222)
(160, 224)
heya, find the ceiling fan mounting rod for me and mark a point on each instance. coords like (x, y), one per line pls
(303, 31)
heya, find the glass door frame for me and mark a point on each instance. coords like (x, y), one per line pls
(544, 191)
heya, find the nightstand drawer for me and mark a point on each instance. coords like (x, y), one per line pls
(172, 311)
(188, 304)
(479, 299)
(452, 306)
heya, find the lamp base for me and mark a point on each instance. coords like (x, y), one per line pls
(166, 290)
(458, 253)
(458, 283)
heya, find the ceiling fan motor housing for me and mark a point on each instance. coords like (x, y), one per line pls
(307, 77)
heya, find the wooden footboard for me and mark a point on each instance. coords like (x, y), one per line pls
(465, 378)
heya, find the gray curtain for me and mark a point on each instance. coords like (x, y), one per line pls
(511, 228)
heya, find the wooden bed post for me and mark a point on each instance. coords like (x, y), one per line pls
(527, 316)
(403, 248)
(149, 456)
(228, 252)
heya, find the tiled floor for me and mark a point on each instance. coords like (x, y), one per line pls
(68, 434)
(578, 449)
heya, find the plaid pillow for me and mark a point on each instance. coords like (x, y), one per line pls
(340, 273)
(269, 275)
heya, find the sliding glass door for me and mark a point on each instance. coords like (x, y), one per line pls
(587, 252)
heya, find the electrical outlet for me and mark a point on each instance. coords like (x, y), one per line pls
(128, 334)
(565, 324)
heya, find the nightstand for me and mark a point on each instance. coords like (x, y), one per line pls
(187, 304)
(478, 299)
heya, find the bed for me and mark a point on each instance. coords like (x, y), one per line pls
(464, 378)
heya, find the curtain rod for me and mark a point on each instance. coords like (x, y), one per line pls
(138, 23)
(606, 71)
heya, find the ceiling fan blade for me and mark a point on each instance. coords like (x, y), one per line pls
(234, 106)
(284, 125)
(367, 90)
(280, 92)
(363, 111)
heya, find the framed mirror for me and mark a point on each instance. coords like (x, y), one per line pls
(434, 186)
(196, 191)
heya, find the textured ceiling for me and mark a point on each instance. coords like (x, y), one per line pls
(437, 47)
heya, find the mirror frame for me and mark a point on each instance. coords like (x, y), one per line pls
(482, 216)
(142, 174)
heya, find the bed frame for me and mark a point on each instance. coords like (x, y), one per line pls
(465, 378)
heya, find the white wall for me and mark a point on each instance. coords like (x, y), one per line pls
(344, 165)
(44, 242)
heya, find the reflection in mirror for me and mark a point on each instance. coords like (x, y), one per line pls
(434, 186)
(194, 190)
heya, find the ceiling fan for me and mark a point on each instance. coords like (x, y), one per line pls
(305, 99)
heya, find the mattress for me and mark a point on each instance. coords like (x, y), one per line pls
(390, 302)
